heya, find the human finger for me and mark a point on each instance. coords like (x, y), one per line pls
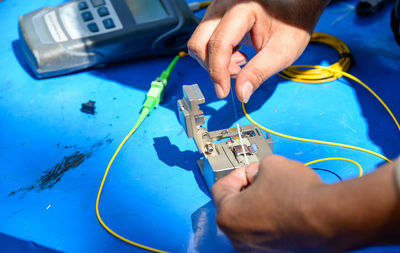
(197, 44)
(229, 32)
(278, 54)
(252, 171)
(229, 185)
(238, 59)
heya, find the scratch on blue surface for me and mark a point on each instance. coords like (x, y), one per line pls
(52, 176)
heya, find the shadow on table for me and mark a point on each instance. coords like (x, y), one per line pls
(172, 156)
(207, 236)
(139, 74)
(382, 74)
(13, 244)
(19, 54)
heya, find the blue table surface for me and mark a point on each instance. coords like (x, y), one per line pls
(53, 156)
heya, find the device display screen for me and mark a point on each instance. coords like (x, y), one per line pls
(146, 10)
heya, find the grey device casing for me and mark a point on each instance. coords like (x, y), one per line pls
(55, 42)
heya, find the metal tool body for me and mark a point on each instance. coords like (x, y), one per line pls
(222, 149)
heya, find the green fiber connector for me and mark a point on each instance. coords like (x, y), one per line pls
(164, 77)
(155, 94)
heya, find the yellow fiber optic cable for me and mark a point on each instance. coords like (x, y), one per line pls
(320, 74)
(340, 159)
(337, 73)
(342, 73)
(143, 115)
(312, 140)
(205, 4)
(154, 97)
(196, 6)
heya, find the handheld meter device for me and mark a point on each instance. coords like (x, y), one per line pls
(82, 33)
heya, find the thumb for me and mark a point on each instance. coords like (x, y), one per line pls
(252, 171)
(229, 185)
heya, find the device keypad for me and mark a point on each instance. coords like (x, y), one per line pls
(98, 6)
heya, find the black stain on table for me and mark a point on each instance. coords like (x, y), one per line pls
(52, 176)
(22, 189)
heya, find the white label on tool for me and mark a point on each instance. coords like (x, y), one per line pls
(70, 18)
(54, 27)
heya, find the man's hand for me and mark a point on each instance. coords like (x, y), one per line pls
(280, 204)
(270, 212)
(278, 30)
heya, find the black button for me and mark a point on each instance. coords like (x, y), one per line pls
(103, 11)
(108, 23)
(93, 27)
(97, 3)
(87, 16)
(82, 6)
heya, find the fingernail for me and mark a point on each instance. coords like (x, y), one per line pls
(252, 171)
(242, 63)
(247, 91)
(219, 90)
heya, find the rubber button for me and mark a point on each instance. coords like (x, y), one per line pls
(102, 11)
(87, 16)
(82, 6)
(93, 27)
(108, 23)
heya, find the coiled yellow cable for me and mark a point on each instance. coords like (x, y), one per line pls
(295, 73)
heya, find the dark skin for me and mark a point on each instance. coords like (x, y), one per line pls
(280, 204)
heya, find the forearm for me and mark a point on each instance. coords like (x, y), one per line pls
(358, 213)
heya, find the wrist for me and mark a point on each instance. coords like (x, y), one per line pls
(397, 173)
(312, 205)
(357, 213)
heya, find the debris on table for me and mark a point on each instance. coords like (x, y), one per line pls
(88, 107)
